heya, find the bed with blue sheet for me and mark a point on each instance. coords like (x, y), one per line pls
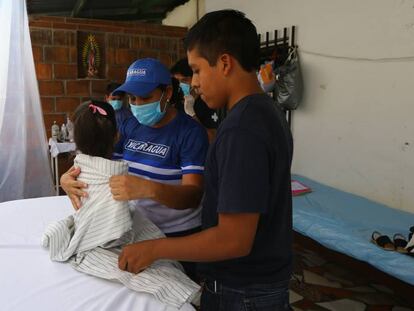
(345, 222)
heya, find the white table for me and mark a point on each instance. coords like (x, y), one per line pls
(57, 148)
(30, 281)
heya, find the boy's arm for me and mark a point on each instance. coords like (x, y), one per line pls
(186, 195)
(233, 237)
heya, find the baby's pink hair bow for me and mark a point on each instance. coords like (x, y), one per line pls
(95, 108)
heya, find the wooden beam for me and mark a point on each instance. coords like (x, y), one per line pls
(135, 5)
(132, 17)
(106, 12)
(78, 7)
(51, 13)
(152, 10)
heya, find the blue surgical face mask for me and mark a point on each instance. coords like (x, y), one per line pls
(116, 104)
(148, 114)
(185, 87)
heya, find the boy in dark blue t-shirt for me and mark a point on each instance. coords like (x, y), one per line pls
(245, 247)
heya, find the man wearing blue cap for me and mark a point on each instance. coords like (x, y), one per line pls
(165, 150)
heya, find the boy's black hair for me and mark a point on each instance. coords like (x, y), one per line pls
(177, 97)
(95, 133)
(225, 31)
(182, 67)
(112, 87)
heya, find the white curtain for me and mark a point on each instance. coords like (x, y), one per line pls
(24, 166)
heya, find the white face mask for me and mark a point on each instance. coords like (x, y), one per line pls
(149, 114)
(185, 87)
(115, 103)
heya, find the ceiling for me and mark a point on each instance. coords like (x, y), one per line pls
(153, 11)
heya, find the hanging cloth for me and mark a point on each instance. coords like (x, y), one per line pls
(24, 164)
(289, 83)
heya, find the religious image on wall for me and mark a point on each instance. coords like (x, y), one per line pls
(91, 56)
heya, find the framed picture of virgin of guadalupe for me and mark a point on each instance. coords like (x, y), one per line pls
(91, 55)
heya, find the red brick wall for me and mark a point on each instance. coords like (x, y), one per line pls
(55, 55)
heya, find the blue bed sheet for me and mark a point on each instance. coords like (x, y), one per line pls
(344, 222)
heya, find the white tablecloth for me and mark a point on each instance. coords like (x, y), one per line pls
(30, 281)
(56, 147)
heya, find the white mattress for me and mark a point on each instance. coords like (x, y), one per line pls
(30, 281)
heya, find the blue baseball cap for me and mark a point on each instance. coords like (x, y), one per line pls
(143, 76)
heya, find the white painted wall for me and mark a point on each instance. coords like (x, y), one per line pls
(355, 128)
(185, 15)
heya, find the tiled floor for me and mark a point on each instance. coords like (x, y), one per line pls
(318, 284)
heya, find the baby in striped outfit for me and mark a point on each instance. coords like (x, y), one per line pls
(91, 239)
(101, 221)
